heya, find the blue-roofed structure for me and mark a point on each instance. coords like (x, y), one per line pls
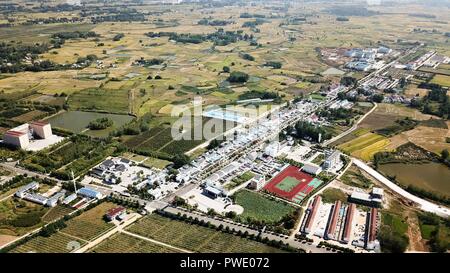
(91, 193)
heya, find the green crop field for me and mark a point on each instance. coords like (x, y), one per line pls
(17, 217)
(287, 184)
(124, 243)
(195, 238)
(56, 213)
(90, 224)
(397, 223)
(56, 243)
(113, 101)
(259, 207)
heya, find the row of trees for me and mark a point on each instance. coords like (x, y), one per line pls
(191, 220)
(308, 131)
(219, 38)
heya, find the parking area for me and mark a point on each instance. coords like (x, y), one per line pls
(196, 197)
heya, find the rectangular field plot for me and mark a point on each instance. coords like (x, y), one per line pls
(160, 139)
(259, 207)
(56, 243)
(195, 238)
(124, 243)
(56, 213)
(365, 146)
(90, 224)
(115, 101)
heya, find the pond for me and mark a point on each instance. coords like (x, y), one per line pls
(77, 121)
(429, 176)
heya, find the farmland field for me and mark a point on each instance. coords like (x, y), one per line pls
(113, 101)
(17, 217)
(56, 243)
(90, 224)
(56, 213)
(429, 176)
(195, 238)
(29, 116)
(124, 243)
(259, 207)
(442, 80)
(159, 138)
(365, 146)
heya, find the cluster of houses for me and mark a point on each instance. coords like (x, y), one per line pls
(30, 193)
(366, 59)
(118, 170)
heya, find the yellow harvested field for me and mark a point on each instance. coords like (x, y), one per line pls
(368, 152)
(431, 139)
(167, 109)
(413, 90)
(441, 80)
(365, 146)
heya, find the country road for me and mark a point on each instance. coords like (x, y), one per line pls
(236, 226)
(424, 204)
(353, 128)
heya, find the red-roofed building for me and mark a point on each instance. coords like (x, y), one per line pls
(114, 212)
(333, 221)
(312, 214)
(373, 225)
(20, 135)
(16, 138)
(41, 129)
(348, 223)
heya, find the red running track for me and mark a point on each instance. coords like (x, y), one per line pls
(293, 172)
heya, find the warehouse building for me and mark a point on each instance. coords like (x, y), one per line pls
(372, 200)
(25, 189)
(330, 234)
(372, 242)
(33, 136)
(312, 214)
(90, 193)
(348, 223)
(53, 201)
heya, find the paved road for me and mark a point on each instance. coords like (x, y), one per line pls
(242, 228)
(13, 167)
(424, 204)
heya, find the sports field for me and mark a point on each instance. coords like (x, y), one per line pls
(287, 184)
(292, 184)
